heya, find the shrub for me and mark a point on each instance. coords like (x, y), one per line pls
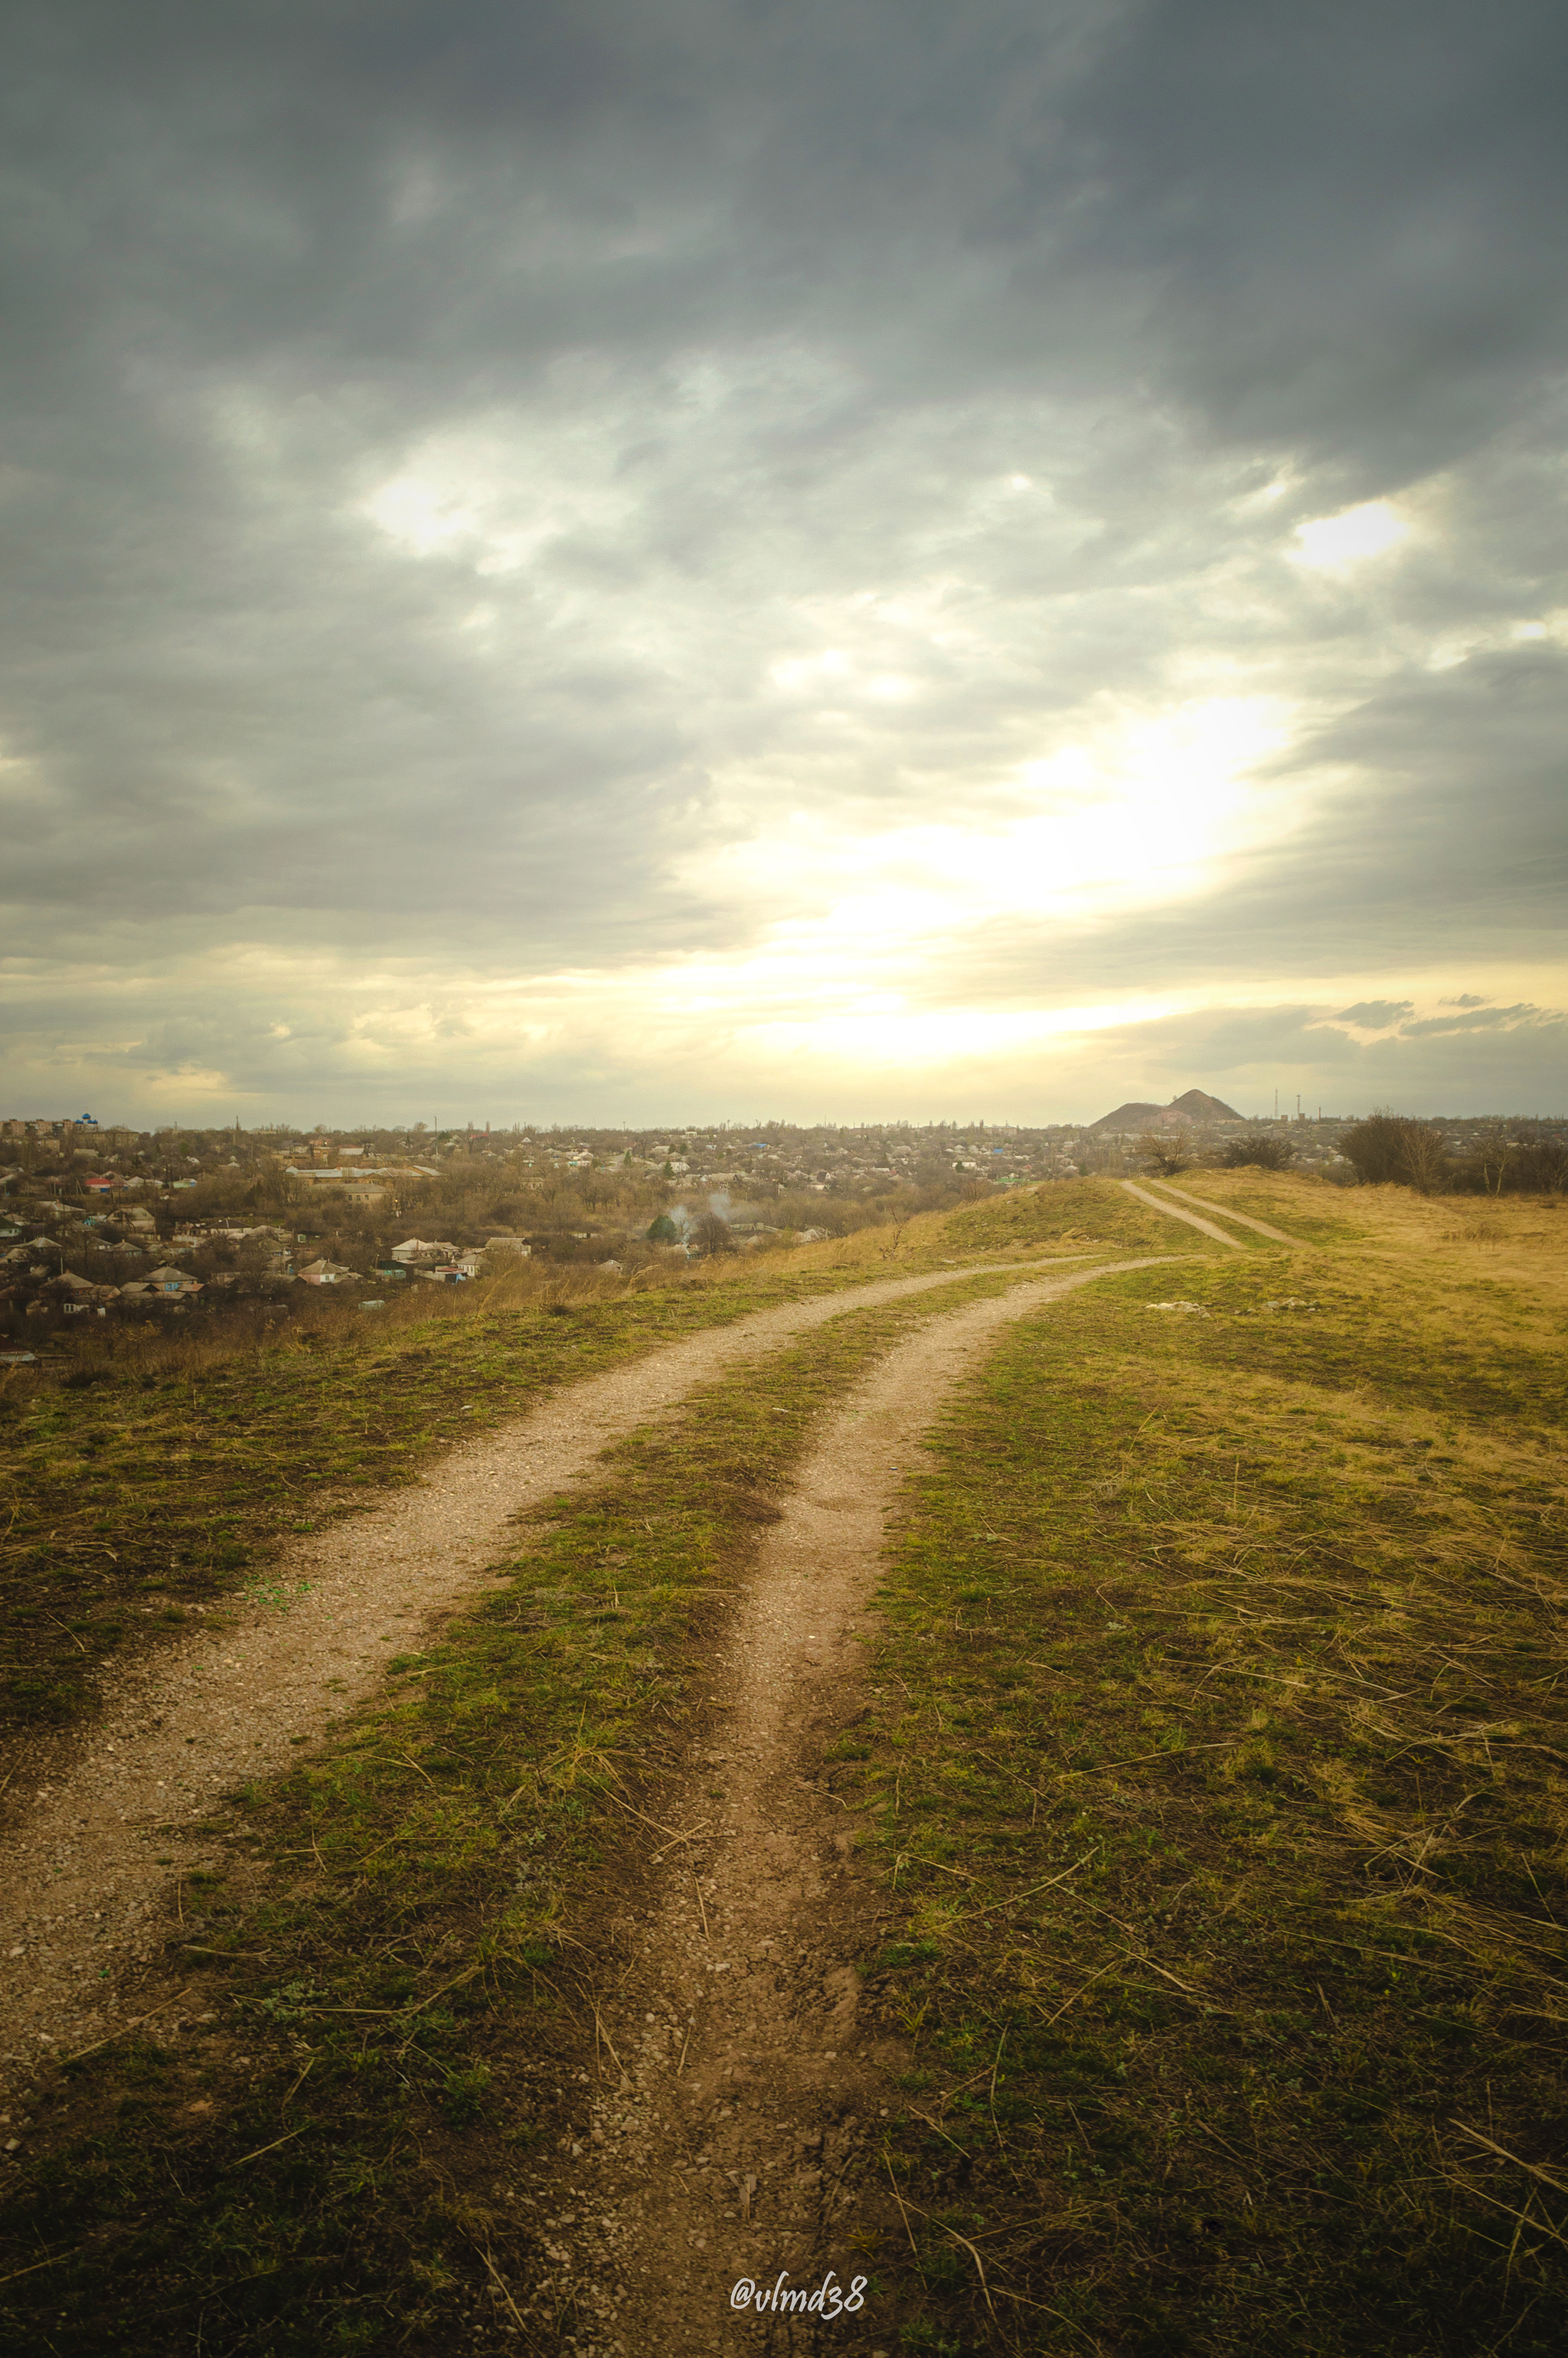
(1541, 1169)
(713, 1234)
(1265, 1153)
(1532, 1167)
(1389, 1150)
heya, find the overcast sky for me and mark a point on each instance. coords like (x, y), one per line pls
(653, 559)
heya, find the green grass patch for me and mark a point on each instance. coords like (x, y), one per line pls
(1070, 1213)
(1218, 1761)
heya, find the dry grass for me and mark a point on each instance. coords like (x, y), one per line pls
(1221, 1760)
(1519, 1240)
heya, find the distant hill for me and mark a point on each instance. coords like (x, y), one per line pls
(1130, 1117)
(1192, 1105)
(1198, 1105)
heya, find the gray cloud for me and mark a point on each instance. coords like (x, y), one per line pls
(1375, 1014)
(1490, 1019)
(1246, 1055)
(711, 335)
(1346, 216)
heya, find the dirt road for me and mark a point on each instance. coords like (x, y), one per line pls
(117, 1816)
(731, 2142)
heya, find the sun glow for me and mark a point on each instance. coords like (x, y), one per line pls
(1137, 809)
(1329, 543)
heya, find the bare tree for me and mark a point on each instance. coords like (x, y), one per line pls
(1424, 1160)
(1165, 1151)
(712, 1234)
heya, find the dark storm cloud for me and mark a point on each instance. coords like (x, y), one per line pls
(756, 296)
(1336, 222)
(1346, 216)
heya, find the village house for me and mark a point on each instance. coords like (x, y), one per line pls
(80, 1293)
(171, 1282)
(360, 1185)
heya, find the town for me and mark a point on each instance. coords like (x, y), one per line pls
(100, 1219)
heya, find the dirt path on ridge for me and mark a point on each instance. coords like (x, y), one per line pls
(732, 2137)
(1224, 1212)
(119, 1812)
(1190, 1219)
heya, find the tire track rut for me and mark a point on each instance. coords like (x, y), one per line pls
(733, 2137)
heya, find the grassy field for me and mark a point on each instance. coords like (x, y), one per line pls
(1073, 1216)
(372, 2020)
(1217, 1752)
(138, 1488)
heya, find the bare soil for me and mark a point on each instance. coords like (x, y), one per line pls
(120, 1813)
(731, 2139)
